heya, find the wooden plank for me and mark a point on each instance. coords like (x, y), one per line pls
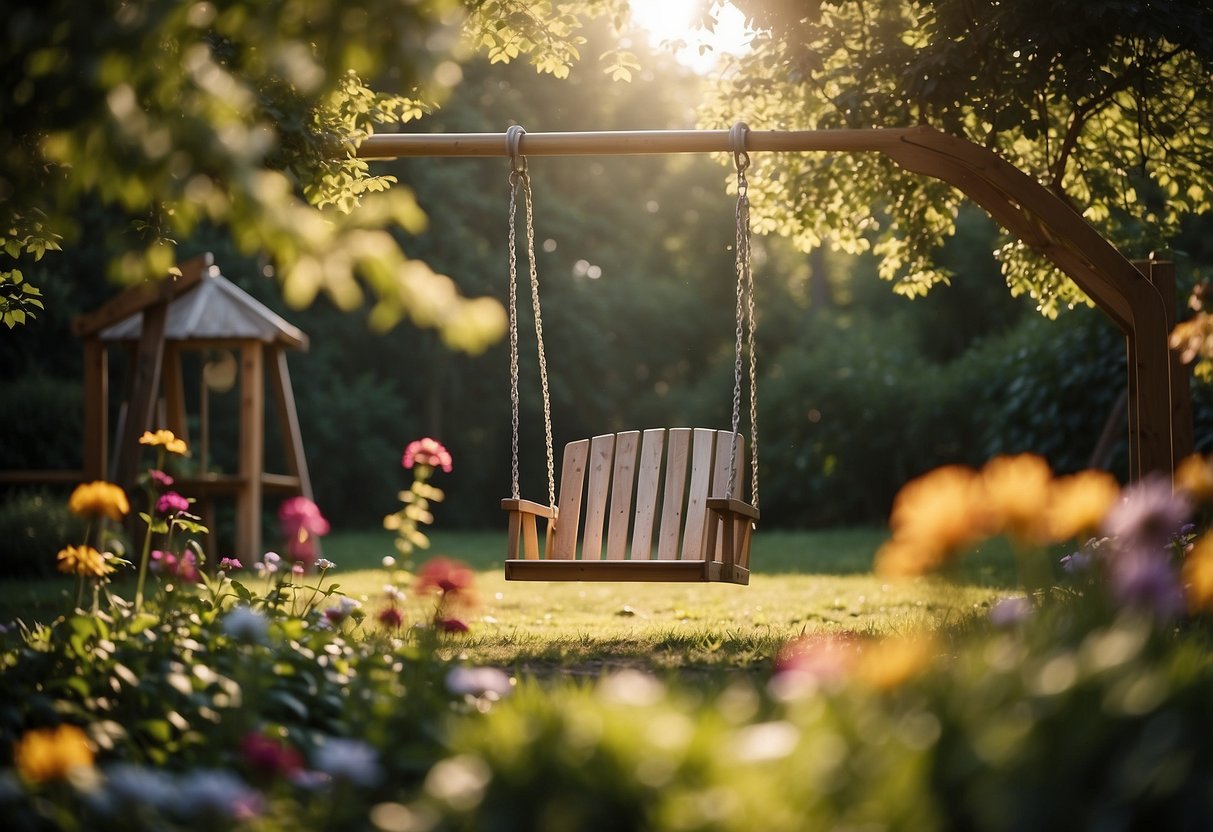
(702, 449)
(252, 450)
(284, 393)
(677, 450)
(96, 409)
(140, 415)
(572, 479)
(598, 491)
(530, 537)
(143, 296)
(647, 571)
(720, 476)
(528, 507)
(174, 393)
(513, 535)
(648, 485)
(622, 481)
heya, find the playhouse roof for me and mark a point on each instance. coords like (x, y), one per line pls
(214, 310)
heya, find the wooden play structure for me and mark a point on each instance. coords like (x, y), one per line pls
(195, 310)
(1139, 300)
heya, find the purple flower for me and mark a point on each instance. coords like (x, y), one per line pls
(171, 502)
(1008, 612)
(350, 760)
(1148, 515)
(1076, 563)
(1147, 581)
(479, 681)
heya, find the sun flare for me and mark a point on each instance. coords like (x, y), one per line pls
(674, 23)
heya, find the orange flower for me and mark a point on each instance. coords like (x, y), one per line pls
(164, 439)
(1195, 475)
(99, 499)
(934, 517)
(1198, 574)
(1017, 491)
(1079, 503)
(85, 561)
(47, 754)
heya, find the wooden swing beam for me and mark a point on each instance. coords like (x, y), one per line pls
(1140, 300)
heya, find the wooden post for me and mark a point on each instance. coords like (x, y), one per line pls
(174, 393)
(140, 415)
(252, 450)
(96, 406)
(280, 380)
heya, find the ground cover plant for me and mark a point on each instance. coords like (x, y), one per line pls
(1028, 687)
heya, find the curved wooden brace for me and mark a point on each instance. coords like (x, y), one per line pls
(1018, 202)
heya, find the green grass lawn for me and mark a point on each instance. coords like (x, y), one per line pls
(802, 582)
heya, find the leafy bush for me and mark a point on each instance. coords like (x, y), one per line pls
(34, 525)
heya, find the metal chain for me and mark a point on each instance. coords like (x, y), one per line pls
(543, 362)
(745, 319)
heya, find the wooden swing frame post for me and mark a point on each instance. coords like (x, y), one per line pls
(1160, 425)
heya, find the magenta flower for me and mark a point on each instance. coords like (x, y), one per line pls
(160, 478)
(299, 514)
(171, 502)
(428, 452)
(163, 562)
(230, 564)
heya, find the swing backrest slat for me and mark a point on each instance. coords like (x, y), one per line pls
(602, 454)
(648, 486)
(678, 446)
(572, 478)
(622, 483)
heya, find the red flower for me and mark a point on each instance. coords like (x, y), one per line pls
(450, 577)
(390, 617)
(429, 452)
(265, 755)
(452, 625)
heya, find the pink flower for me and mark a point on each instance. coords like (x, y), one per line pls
(163, 562)
(390, 617)
(160, 478)
(299, 514)
(450, 577)
(187, 567)
(230, 564)
(171, 502)
(428, 452)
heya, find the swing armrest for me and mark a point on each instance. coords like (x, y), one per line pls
(528, 507)
(723, 505)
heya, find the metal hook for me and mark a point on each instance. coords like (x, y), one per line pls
(513, 140)
(737, 137)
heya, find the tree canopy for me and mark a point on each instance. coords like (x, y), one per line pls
(1109, 104)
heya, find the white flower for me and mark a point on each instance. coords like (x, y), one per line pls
(350, 760)
(392, 592)
(246, 625)
(478, 682)
(389, 562)
(324, 563)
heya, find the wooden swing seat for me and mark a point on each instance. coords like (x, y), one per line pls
(701, 535)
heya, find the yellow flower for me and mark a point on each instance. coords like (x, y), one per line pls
(164, 439)
(1079, 503)
(85, 561)
(1017, 490)
(1195, 475)
(933, 518)
(49, 754)
(99, 499)
(891, 662)
(1198, 574)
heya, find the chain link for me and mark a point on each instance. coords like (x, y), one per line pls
(746, 321)
(515, 491)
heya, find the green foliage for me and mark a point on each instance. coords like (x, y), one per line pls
(1107, 108)
(34, 525)
(40, 423)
